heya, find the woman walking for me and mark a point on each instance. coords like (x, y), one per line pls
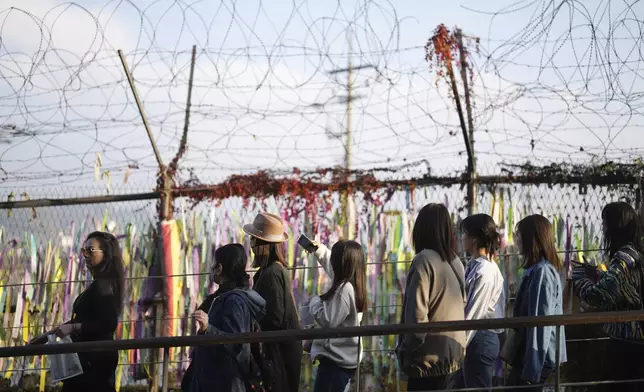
(532, 351)
(485, 300)
(267, 235)
(618, 289)
(341, 306)
(96, 312)
(434, 292)
(233, 310)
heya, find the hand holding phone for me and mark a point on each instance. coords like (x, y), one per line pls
(306, 243)
(577, 263)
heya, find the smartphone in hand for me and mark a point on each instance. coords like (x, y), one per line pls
(577, 263)
(306, 243)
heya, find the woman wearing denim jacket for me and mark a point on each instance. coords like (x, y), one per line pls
(232, 309)
(540, 294)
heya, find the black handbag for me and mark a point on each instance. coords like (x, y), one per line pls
(514, 344)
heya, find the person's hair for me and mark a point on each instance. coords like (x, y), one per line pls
(482, 229)
(267, 253)
(537, 241)
(433, 230)
(347, 262)
(621, 226)
(109, 274)
(233, 260)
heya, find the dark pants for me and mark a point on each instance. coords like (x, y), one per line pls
(480, 361)
(86, 382)
(98, 373)
(331, 377)
(624, 361)
(515, 379)
(435, 383)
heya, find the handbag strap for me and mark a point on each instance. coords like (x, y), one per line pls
(460, 282)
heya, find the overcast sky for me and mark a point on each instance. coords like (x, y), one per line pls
(545, 88)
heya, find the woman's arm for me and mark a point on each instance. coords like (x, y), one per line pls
(234, 317)
(416, 309)
(323, 256)
(606, 293)
(541, 297)
(331, 313)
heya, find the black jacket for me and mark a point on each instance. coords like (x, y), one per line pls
(274, 285)
(97, 310)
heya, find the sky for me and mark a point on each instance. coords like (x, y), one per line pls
(553, 81)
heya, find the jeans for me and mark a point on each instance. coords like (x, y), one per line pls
(515, 379)
(480, 361)
(435, 383)
(331, 377)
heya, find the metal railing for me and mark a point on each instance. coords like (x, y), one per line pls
(324, 333)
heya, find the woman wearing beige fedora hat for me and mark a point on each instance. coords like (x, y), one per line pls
(267, 235)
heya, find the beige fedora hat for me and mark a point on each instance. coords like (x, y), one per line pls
(267, 227)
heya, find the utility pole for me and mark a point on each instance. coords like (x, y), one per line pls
(349, 125)
(348, 230)
(347, 154)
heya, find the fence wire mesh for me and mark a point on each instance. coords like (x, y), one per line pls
(271, 91)
(41, 271)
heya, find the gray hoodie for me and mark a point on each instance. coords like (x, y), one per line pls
(338, 311)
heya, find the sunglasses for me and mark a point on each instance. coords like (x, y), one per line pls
(89, 251)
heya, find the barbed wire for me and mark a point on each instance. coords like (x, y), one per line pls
(560, 82)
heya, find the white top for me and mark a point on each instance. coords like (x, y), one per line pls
(338, 311)
(485, 292)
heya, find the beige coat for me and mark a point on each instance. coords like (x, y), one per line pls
(433, 293)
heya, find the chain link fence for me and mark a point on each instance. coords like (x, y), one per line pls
(41, 273)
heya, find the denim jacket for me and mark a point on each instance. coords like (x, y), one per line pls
(543, 296)
(218, 368)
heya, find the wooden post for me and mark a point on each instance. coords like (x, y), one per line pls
(471, 185)
(159, 314)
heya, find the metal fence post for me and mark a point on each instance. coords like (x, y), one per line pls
(359, 363)
(156, 354)
(166, 366)
(558, 360)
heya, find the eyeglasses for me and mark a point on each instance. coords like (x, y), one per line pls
(89, 251)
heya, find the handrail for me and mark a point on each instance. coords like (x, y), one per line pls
(323, 333)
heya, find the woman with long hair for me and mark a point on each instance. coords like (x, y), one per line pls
(342, 305)
(233, 309)
(532, 351)
(96, 312)
(484, 284)
(267, 236)
(434, 292)
(618, 289)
